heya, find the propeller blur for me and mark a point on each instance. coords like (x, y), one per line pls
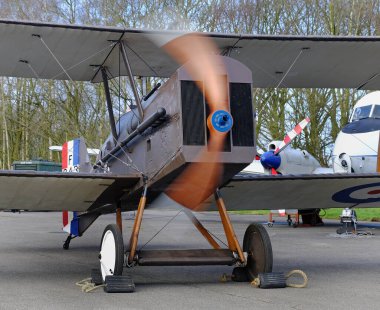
(186, 139)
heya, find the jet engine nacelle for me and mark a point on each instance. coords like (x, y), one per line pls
(355, 152)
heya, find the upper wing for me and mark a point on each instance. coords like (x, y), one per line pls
(27, 50)
(46, 191)
(348, 62)
(256, 192)
(314, 62)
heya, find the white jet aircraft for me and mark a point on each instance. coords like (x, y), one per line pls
(356, 146)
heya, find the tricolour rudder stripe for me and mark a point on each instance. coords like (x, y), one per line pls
(64, 156)
(76, 152)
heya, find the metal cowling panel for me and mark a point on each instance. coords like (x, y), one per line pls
(193, 114)
(241, 106)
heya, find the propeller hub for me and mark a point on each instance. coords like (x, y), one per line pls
(220, 121)
(269, 160)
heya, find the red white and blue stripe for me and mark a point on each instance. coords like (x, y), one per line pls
(70, 163)
(70, 222)
(70, 156)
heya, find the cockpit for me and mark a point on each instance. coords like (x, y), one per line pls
(367, 111)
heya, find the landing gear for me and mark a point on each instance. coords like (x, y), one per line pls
(111, 254)
(66, 244)
(311, 217)
(255, 257)
(257, 244)
(292, 223)
(349, 221)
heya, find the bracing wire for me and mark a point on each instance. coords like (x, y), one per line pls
(70, 78)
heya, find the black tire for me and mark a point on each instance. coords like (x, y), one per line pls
(119, 248)
(258, 246)
(66, 244)
(313, 221)
(240, 274)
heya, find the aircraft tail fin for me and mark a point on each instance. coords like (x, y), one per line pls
(75, 157)
(70, 222)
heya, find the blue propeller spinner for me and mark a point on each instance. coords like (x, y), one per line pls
(221, 121)
(269, 160)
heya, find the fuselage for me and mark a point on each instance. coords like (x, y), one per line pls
(161, 153)
(289, 161)
(356, 146)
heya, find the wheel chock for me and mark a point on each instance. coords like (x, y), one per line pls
(240, 274)
(119, 284)
(270, 280)
(96, 277)
(279, 279)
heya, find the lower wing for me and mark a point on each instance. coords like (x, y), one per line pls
(257, 192)
(46, 191)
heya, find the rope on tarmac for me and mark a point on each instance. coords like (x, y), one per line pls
(87, 286)
(302, 274)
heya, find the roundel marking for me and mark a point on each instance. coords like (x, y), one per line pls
(365, 193)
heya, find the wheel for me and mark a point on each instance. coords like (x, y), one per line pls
(111, 254)
(257, 244)
(270, 224)
(313, 220)
(340, 230)
(66, 244)
(240, 274)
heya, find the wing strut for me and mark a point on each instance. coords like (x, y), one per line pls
(109, 104)
(131, 80)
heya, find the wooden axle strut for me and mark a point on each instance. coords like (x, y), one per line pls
(202, 229)
(119, 221)
(233, 243)
(137, 226)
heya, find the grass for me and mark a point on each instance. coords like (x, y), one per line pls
(363, 214)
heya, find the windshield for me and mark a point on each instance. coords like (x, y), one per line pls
(376, 111)
(361, 112)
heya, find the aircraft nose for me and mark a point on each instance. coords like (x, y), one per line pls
(220, 121)
(269, 160)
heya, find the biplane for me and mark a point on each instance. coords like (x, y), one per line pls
(187, 140)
